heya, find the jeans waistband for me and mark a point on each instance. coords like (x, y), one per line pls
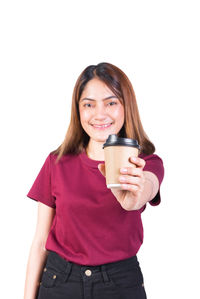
(67, 266)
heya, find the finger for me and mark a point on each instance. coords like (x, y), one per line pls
(133, 180)
(132, 171)
(101, 168)
(137, 161)
(129, 187)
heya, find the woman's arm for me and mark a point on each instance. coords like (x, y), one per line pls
(38, 253)
(138, 186)
(151, 187)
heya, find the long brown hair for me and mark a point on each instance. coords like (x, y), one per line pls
(76, 139)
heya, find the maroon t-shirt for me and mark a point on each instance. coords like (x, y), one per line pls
(90, 227)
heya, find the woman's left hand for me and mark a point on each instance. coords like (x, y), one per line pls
(133, 181)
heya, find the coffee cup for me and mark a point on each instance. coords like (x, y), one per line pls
(117, 152)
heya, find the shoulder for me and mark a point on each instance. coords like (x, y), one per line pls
(66, 158)
(154, 164)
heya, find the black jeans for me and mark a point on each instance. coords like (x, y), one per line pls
(62, 279)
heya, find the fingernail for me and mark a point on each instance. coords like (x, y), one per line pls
(122, 179)
(123, 169)
(134, 159)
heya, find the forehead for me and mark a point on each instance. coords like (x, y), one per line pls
(96, 87)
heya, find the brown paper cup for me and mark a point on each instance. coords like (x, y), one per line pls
(117, 157)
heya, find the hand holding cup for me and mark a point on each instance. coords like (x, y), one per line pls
(124, 171)
(132, 186)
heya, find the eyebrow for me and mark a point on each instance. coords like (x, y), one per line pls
(110, 97)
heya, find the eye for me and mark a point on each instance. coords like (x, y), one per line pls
(85, 105)
(115, 103)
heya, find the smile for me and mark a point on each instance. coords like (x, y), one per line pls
(102, 126)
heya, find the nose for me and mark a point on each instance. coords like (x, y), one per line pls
(100, 112)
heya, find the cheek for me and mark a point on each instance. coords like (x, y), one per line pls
(84, 115)
(119, 113)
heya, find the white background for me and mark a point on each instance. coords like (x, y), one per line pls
(45, 45)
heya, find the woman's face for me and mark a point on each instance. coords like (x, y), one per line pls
(101, 112)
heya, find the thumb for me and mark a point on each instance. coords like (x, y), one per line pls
(101, 168)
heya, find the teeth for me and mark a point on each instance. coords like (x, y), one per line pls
(102, 126)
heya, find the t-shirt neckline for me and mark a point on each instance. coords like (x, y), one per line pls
(90, 162)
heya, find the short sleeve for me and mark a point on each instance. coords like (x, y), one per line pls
(41, 188)
(155, 165)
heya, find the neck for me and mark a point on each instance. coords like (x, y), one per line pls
(95, 151)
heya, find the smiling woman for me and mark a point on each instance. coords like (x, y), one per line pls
(91, 234)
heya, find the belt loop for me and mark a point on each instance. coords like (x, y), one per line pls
(68, 270)
(105, 275)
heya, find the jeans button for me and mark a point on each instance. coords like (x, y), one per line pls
(88, 272)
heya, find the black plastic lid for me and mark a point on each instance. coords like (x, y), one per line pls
(113, 140)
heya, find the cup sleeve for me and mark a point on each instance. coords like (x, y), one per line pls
(155, 165)
(41, 189)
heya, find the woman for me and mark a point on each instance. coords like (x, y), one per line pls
(87, 236)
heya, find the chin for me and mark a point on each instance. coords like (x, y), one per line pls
(100, 138)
